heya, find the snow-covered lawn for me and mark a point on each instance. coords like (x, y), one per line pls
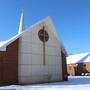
(74, 83)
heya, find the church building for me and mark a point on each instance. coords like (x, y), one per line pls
(34, 55)
(79, 64)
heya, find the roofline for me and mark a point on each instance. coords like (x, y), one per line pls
(7, 42)
(78, 53)
(39, 22)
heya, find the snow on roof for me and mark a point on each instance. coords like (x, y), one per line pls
(78, 58)
(47, 21)
(2, 42)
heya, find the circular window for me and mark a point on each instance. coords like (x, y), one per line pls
(43, 35)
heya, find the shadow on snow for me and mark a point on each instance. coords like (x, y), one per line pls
(74, 80)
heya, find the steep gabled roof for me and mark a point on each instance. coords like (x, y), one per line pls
(47, 21)
(78, 58)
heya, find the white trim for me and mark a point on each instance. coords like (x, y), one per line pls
(46, 21)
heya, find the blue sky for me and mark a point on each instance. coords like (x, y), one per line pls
(71, 18)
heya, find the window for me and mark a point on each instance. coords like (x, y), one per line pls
(43, 35)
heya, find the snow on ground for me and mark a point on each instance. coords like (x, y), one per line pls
(74, 83)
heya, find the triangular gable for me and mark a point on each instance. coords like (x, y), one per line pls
(49, 24)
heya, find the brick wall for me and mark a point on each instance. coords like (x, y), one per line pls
(9, 64)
